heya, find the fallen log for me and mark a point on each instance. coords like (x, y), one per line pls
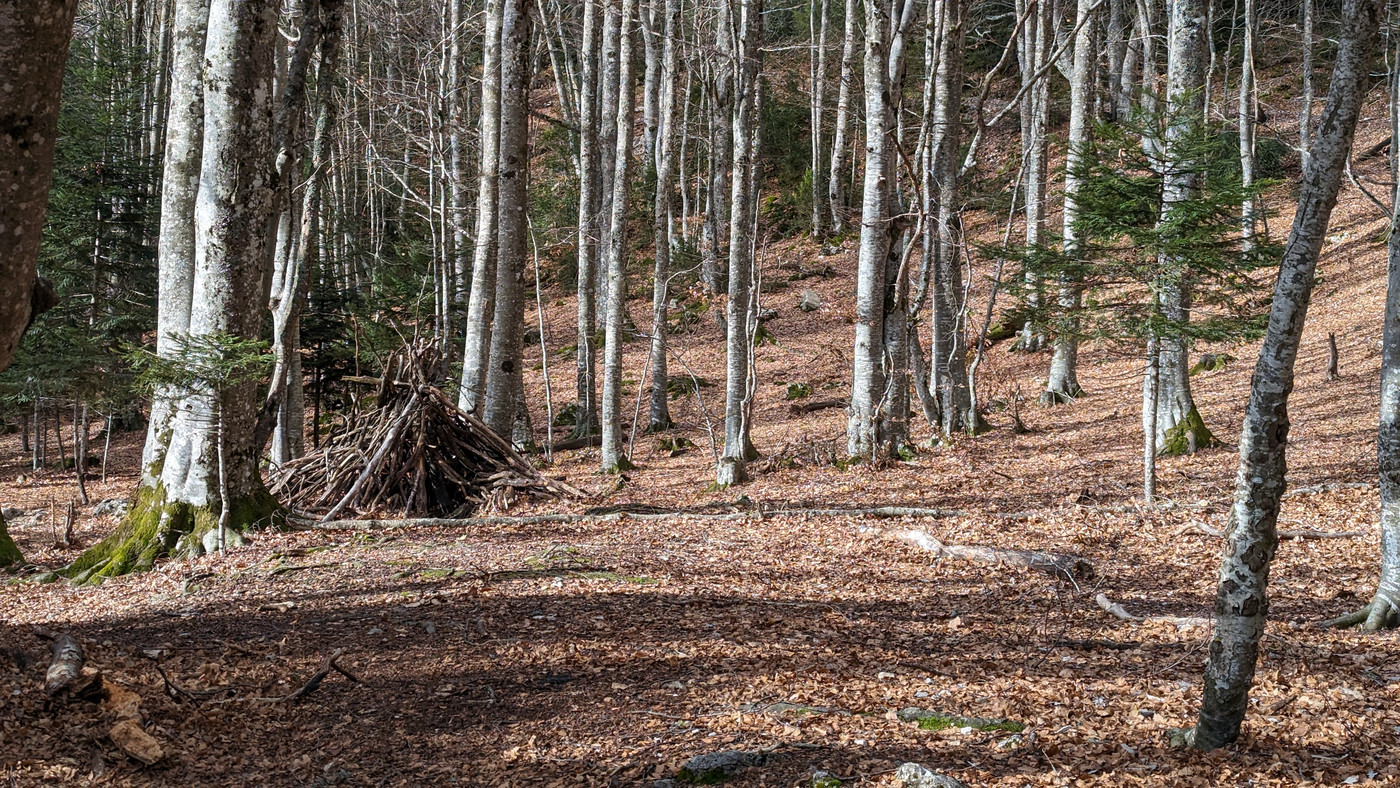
(1282, 533)
(67, 665)
(879, 512)
(1117, 611)
(801, 408)
(1067, 567)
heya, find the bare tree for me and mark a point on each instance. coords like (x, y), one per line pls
(741, 312)
(504, 408)
(659, 411)
(840, 141)
(1063, 382)
(1241, 602)
(481, 302)
(614, 460)
(590, 164)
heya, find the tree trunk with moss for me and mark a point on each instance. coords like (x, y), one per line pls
(1241, 602)
(1180, 429)
(178, 506)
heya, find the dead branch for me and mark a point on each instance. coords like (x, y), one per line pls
(1282, 534)
(1067, 567)
(313, 683)
(821, 404)
(1116, 610)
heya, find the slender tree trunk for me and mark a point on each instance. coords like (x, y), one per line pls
(659, 412)
(818, 10)
(740, 312)
(504, 386)
(1035, 41)
(586, 413)
(949, 350)
(867, 368)
(840, 141)
(1241, 603)
(1247, 114)
(481, 305)
(614, 460)
(1180, 429)
(1063, 383)
(1305, 110)
(607, 144)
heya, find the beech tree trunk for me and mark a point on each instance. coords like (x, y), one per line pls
(586, 418)
(1034, 42)
(1063, 383)
(504, 386)
(1248, 111)
(1241, 603)
(184, 147)
(949, 349)
(481, 304)
(613, 458)
(840, 141)
(877, 427)
(209, 479)
(1180, 429)
(659, 414)
(740, 312)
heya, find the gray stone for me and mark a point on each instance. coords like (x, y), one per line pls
(914, 775)
(231, 539)
(828, 250)
(718, 766)
(10, 513)
(113, 506)
(809, 301)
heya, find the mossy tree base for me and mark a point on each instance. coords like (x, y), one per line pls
(1187, 436)
(156, 528)
(10, 556)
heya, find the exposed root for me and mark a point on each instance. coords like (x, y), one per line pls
(1377, 615)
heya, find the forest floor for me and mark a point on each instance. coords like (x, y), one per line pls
(608, 652)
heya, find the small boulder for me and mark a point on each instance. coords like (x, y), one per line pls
(716, 767)
(830, 250)
(809, 301)
(914, 775)
(231, 539)
(116, 507)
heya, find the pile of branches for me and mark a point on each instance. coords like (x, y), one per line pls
(416, 452)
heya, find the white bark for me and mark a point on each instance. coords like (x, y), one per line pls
(1241, 603)
(613, 458)
(481, 305)
(840, 141)
(184, 145)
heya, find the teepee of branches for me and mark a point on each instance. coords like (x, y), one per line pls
(416, 453)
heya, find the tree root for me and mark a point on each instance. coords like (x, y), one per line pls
(1378, 614)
